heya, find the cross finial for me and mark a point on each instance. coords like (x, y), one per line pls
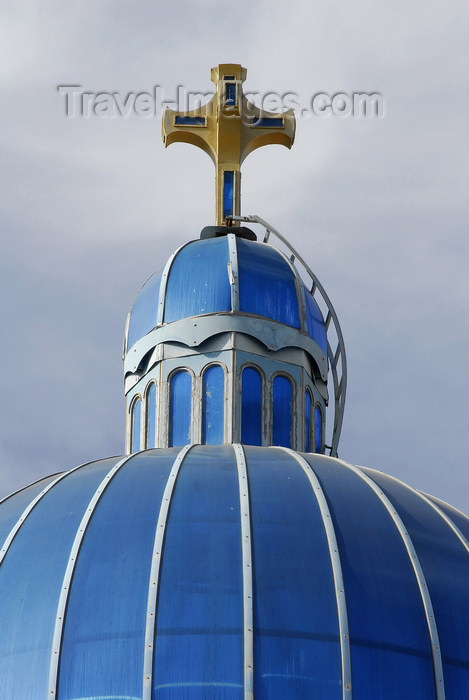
(228, 128)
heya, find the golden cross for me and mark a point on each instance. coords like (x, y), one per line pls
(228, 128)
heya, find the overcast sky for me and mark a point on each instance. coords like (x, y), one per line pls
(378, 207)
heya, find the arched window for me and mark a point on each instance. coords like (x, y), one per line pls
(151, 416)
(135, 425)
(251, 407)
(318, 428)
(180, 403)
(308, 416)
(282, 399)
(213, 406)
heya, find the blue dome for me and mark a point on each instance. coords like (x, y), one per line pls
(200, 572)
(199, 279)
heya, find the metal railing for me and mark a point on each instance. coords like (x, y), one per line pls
(335, 345)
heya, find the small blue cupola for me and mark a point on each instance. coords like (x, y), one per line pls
(228, 343)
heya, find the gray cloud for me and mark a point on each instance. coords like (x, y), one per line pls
(93, 207)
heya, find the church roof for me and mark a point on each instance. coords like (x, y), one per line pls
(226, 275)
(196, 571)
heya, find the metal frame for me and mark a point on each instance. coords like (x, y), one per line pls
(288, 362)
(194, 407)
(227, 418)
(195, 330)
(265, 419)
(163, 285)
(146, 392)
(433, 505)
(65, 590)
(246, 545)
(311, 427)
(445, 517)
(336, 571)
(233, 271)
(340, 382)
(430, 500)
(14, 530)
(135, 398)
(294, 437)
(23, 488)
(300, 292)
(420, 576)
(155, 574)
(322, 441)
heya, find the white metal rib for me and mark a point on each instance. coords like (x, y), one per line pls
(61, 608)
(23, 488)
(336, 571)
(155, 573)
(420, 576)
(233, 267)
(247, 572)
(435, 507)
(14, 530)
(434, 501)
(163, 285)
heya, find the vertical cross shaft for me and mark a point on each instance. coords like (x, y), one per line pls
(228, 128)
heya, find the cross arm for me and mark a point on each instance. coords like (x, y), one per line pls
(196, 127)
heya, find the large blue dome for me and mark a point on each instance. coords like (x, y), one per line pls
(201, 568)
(198, 279)
(205, 572)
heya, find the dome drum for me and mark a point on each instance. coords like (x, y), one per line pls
(218, 413)
(227, 275)
(196, 331)
(219, 299)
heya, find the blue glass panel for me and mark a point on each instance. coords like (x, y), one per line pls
(213, 411)
(315, 322)
(307, 422)
(104, 631)
(390, 646)
(318, 430)
(13, 506)
(459, 519)
(144, 310)
(266, 283)
(296, 633)
(151, 415)
(267, 122)
(31, 579)
(228, 193)
(180, 409)
(189, 121)
(445, 565)
(230, 94)
(282, 395)
(251, 407)
(199, 630)
(198, 282)
(136, 422)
